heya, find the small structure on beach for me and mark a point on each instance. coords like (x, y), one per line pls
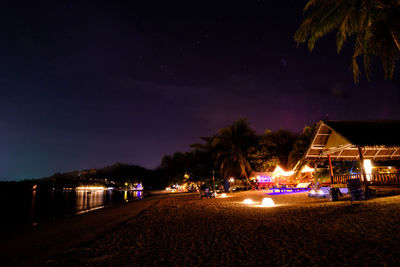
(375, 144)
(264, 180)
(267, 180)
(281, 176)
(302, 173)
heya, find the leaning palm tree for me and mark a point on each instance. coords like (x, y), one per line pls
(374, 25)
(230, 147)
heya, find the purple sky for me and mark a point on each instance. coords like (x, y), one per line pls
(88, 85)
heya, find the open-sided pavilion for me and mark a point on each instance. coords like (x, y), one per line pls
(357, 140)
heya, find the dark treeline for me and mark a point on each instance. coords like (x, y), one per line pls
(117, 175)
(234, 151)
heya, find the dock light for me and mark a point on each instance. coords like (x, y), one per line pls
(267, 202)
(312, 191)
(231, 180)
(320, 192)
(247, 201)
(223, 195)
(80, 188)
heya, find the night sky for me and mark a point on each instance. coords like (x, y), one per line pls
(85, 84)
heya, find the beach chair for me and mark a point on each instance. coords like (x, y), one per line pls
(300, 187)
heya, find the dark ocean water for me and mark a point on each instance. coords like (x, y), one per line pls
(29, 208)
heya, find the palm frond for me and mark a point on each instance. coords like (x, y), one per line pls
(375, 24)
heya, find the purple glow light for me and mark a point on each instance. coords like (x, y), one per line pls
(265, 179)
(285, 193)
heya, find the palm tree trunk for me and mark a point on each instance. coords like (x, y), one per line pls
(247, 179)
(394, 34)
(395, 38)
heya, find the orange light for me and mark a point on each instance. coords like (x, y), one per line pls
(280, 172)
(90, 188)
(307, 169)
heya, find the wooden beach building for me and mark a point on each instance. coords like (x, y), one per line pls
(375, 144)
(279, 177)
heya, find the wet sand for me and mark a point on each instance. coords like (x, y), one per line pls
(298, 231)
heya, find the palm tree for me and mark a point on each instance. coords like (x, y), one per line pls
(231, 145)
(276, 146)
(373, 24)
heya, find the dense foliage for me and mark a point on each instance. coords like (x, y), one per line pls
(373, 25)
(236, 151)
(231, 145)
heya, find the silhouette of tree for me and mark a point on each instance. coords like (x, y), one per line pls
(374, 25)
(276, 147)
(175, 167)
(231, 146)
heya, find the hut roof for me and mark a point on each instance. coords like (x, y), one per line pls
(379, 140)
(368, 133)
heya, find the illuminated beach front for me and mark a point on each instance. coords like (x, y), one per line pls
(200, 133)
(186, 230)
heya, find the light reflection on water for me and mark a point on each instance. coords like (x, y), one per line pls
(45, 205)
(130, 195)
(33, 206)
(88, 200)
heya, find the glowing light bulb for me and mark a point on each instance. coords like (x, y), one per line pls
(247, 201)
(223, 195)
(267, 202)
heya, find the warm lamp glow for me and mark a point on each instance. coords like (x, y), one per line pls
(247, 201)
(368, 168)
(267, 202)
(223, 195)
(90, 188)
(307, 169)
(280, 172)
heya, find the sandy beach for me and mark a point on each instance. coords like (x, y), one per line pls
(299, 231)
